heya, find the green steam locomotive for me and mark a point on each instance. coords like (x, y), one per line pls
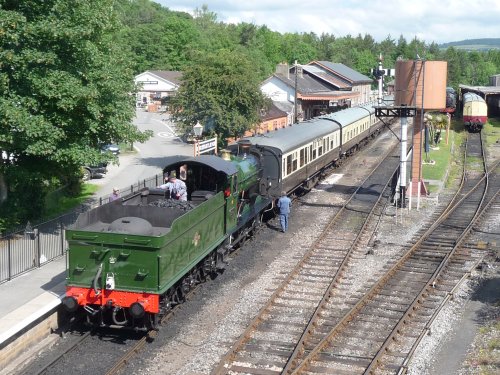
(132, 260)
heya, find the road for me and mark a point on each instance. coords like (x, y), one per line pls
(146, 161)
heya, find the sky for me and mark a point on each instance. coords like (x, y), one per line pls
(437, 21)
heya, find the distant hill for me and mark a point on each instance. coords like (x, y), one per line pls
(474, 44)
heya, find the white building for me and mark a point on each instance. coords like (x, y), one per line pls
(154, 85)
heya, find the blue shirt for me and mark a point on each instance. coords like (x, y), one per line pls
(284, 204)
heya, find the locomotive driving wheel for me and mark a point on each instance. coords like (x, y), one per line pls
(210, 265)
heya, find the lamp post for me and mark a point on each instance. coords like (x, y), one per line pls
(198, 131)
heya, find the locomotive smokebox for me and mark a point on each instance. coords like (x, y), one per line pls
(421, 84)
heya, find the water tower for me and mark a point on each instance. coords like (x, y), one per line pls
(420, 84)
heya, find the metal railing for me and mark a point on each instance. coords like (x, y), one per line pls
(32, 247)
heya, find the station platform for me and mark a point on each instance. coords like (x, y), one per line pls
(29, 297)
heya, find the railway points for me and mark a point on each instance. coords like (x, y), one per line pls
(438, 286)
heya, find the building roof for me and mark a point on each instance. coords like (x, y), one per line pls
(328, 77)
(485, 90)
(284, 106)
(343, 71)
(310, 88)
(169, 75)
(273, 112)
(305, 84)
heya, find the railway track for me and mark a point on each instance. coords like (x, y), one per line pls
(83, 347)
(367, 336)
(458, 270)
(271, 337)
(45, 369)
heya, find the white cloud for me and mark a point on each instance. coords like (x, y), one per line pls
(430, 20)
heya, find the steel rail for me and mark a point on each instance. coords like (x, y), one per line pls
(150, 335)
(80, 340)
(299, 347)
(229, 357)
(383, 280)
(404, 366)
(444, 262)
(130, 354)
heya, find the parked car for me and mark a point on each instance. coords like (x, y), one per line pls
(90, 172)
(113, 148)
(188, 137)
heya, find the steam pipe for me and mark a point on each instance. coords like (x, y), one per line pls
(96, 278)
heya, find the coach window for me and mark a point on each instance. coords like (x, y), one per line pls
(294, 162)
(289, 164)
(284, 167)
(302, 157)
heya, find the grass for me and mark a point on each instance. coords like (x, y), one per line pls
(126, 148)
(485, 359)
(57, 203)
(441, 158)
(447, 159)
(431, 188)
(491, 131)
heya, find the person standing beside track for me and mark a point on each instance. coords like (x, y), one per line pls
(284, 204)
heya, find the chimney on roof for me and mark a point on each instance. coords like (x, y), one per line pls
(300, 70)
(283, 70)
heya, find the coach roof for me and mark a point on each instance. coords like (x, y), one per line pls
(292, 137)
(350, 115)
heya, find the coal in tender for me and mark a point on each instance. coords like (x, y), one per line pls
(173, 203)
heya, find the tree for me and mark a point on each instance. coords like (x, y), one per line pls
(295, 48)
(221, 91)
(64, 92)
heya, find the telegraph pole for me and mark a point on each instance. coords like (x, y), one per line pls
(295, 121)
(380, 75)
